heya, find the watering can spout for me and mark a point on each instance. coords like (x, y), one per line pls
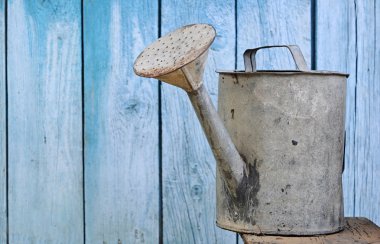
(179, 59)
(230, 163)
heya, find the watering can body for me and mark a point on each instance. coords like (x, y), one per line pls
(278, 139)
(288, 127)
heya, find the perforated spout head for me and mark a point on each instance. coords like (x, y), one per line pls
(179, 57)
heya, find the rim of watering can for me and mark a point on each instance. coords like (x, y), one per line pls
(282, 72)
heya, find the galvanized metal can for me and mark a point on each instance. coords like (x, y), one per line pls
(289, 128)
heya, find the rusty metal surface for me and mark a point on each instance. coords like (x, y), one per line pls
(356, 230)
(290, 131)
(279, 151)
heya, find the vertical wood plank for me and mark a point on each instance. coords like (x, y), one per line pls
(45, 126)
(261, 23)
(121, 124)
(3, 184)
(375, 144)
(367, 116)
(188, 166)
(347, 41)
(336, 50)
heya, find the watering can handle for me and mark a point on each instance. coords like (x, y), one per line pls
(250, 60)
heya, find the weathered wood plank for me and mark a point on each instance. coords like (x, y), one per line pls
(3, 184)
(121, 124)
(45, 126)
(335, 50)
(357, 230)
(375, 118)
(367, 116)
(347, 41)
(261, 23)
(188, 166)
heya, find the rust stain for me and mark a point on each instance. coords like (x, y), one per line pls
(246, 201)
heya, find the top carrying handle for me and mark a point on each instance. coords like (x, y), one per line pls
(250, 57)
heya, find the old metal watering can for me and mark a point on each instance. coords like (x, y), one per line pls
(278, 138)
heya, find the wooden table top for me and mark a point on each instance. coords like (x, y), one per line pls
(357, 230)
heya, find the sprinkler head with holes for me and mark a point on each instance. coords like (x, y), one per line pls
(178, 58)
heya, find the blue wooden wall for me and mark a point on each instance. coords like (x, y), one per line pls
(91, 153)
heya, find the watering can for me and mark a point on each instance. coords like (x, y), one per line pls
(278, 138)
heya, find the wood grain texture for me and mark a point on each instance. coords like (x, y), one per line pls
(45, 126)
(122, 120)
(347, 33)
(357, 230)
(188, 166)
(262, 23)
(279, 22)
(121, 124)
(3, 183)
(367, 116)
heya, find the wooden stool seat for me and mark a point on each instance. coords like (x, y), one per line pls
(356, 230)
